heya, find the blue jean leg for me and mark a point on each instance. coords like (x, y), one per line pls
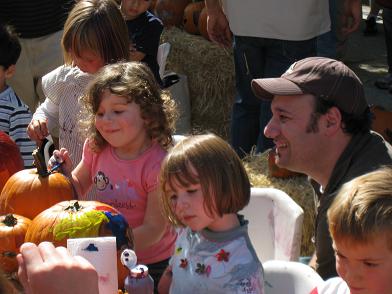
(327, 42)
(259, 58)
(387, 21)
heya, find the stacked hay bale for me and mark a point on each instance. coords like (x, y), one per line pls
(297, 187)
(211, 79)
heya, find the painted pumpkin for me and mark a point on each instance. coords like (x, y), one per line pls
(79, 219)
(191, 17)
(11, 160)
(171, 12)
(30, 191)
(202, 25)
(276, 171)
(13, 228)
(382, 122)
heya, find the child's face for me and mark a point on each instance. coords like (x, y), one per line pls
(366, 268)
(133, 8)
(121, 125)
(88, 61)
(188, 205)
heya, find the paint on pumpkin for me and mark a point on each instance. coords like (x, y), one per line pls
(79, 225)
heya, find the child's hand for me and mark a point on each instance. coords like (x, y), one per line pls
(165, 281)
(37, 129)
(61, 157)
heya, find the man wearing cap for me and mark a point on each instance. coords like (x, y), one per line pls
(268, 37)
(320, 126)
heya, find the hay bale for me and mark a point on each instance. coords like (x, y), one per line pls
(298, 188)
(211, 78)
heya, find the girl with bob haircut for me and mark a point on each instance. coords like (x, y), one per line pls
(360, 223)
(95, 34)
(204, 185)
(130, 122)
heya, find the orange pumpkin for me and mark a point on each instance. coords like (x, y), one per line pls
(276, 171)
(11, 160)
(191, 17)
(382, 122)
(30, 191)
(202, 25)
(12, 233)
(171, 12)
(77, 219)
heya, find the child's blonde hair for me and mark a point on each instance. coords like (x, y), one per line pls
(98, 26)
(363, 208)
(211, 162)
(136, 82)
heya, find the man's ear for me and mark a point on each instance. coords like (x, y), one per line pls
(332, 121)
(10, 71)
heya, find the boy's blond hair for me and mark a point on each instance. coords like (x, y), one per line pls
(98, 26)
(363, 208)
(220, 173)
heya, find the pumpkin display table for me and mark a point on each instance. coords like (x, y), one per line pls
(211, 79)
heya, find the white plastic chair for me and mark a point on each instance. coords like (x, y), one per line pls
(289, 277)
(275, 224)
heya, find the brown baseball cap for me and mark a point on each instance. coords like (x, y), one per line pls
(322, 77)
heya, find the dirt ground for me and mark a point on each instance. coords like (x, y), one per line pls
(367, 57)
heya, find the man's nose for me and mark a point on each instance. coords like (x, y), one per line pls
(271, 130)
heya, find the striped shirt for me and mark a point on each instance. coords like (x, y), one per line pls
(14, 119)
(35, 18)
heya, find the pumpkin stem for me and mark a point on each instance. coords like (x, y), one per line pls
(74, 207)
(10, 220)
(40, 164)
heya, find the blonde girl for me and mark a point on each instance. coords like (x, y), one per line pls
(204, 186)
(130, 122)
(95, 34)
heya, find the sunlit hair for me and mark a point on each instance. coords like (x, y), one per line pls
(362, 209)
(135, 82)
(97, 26)
(209, 161)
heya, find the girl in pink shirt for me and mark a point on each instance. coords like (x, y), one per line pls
(129, 122)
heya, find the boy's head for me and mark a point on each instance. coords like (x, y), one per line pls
(360, 223)
(209, 161)
(133, 8)
(9, 53)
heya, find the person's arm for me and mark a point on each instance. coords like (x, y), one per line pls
(154, 223)
(165, 281)
(352, 16)
(217, 24)
(80, 177)
(44, 119)
(46, 269)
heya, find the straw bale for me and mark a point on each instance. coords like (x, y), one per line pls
(298, 188)
(211, 78)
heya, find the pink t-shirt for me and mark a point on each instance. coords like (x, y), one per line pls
(332, 286)
(125, 184)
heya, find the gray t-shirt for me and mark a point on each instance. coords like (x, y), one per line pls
(216, 262)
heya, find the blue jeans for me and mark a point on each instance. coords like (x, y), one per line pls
(327, 43)
(259, 58)
(387, 21)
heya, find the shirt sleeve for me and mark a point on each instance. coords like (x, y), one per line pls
(19, 121)
(148, 41)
